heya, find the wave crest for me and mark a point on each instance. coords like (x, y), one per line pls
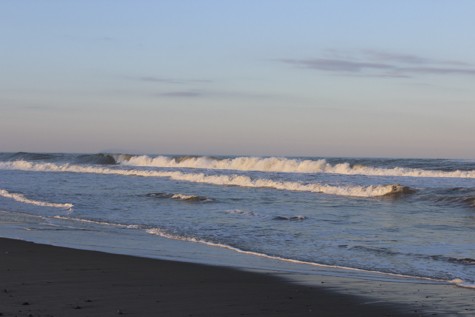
(220, 180)
(100, 159)
(22, 199)
(282, 165)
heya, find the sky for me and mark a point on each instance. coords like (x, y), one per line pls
(366, 78)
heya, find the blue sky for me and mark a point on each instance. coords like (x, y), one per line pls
(320, 78)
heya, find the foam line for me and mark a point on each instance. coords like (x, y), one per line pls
(282, 165)
(22, 199)
(220, 180)
(162, 233)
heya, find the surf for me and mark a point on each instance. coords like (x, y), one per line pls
(219, 180)
(23, 199)
(281, 165)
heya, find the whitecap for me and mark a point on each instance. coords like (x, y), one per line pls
(220, 180)
(22, 199)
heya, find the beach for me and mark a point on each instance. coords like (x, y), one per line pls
(41, 280)
(235, 236)
(237, 158)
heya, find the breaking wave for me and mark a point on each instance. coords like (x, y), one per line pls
(220, 180)
(22, 199)
(283, 165)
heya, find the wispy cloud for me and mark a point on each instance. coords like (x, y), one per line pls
(336, 65)
(381, 64)
(182, 94)
(166, 80)
(201, 93)
(159, 80)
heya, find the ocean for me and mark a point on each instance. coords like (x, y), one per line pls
(412, 218)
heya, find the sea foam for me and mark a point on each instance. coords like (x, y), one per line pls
(281, 165)
(220, 180)
(22, 199)
(165, 234)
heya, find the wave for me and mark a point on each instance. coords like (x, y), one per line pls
(459, 196)
(466, 261)
(290, 218)
(386, 251)
(22, 199)
(220, 180)
(468, 201)
(413, 168)
(178, 196)
(99, 158)
(282, 165)
(32, 156)
(165, 234)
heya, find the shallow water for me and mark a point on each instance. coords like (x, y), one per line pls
(403, 217)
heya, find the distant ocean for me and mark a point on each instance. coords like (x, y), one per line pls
(399, 217)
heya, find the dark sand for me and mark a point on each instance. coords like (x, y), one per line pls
(41, 280)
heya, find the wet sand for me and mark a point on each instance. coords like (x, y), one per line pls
(42, 280)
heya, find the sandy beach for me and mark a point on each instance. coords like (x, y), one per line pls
(237, 158)
(41, 280)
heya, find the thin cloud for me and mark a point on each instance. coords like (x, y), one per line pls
(394, 57)
(335, 65)
(214, 94)
(159, 80)
(165, 80)
(407, 58)
(441, 71)
(182, 94)
(382, 64)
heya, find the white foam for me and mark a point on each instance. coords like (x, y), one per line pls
(183, 197)
(164, 234)
(22, 199)
(291, 218)
(222, 180)
(462, 283)
(283, 165)
(271, 164)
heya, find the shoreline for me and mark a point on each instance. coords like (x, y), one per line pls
(43, 280)
(37, 251)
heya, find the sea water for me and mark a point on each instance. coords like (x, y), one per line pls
(397, 217)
